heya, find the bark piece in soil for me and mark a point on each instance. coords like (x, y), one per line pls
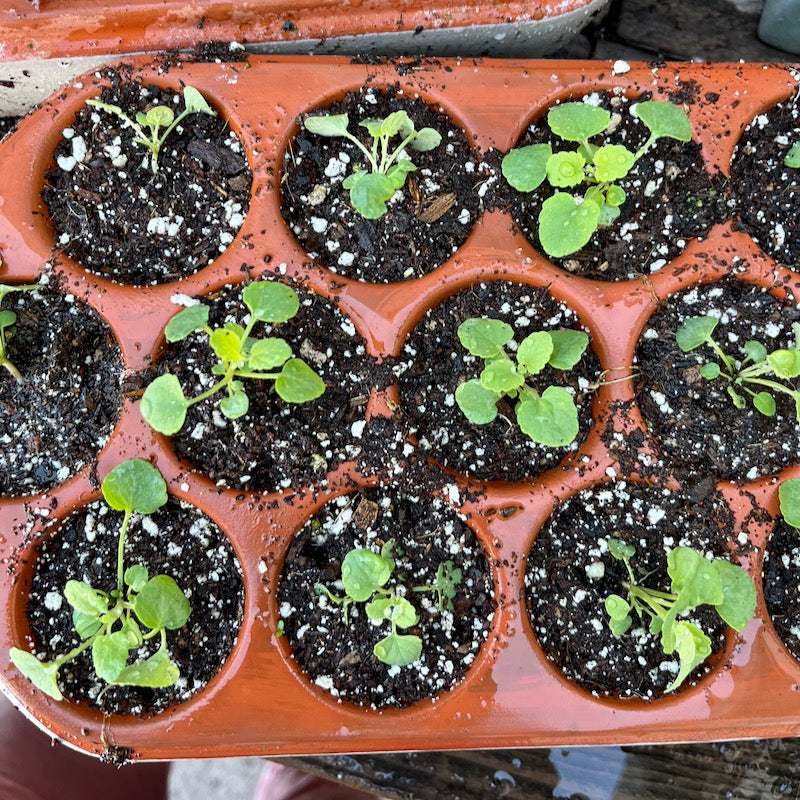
(671, 199)
(277, 444)
(766, 192)
(339, 657)
(697, 429)
(176, 540)
(59, 418)
(117, 218)
(434, 363)
(566, 606)
(781, 582)
(419, 232)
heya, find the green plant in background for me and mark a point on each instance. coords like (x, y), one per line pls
(148, 125)
(7, 320)
(549, 418)
(566, 220)
(754, 375)
(792, 158)
(114, 624)
(164, 404)
(364, 576)
(696, 581)
(372, 187)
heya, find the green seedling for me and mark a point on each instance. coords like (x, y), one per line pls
(549, 418)
(567, 221)
(789, 499)
(792, 158)
(372, 185)
(7, 320)
(696, 581)
(757, 375)
(164, 404)
(153, 127)
(364, 575)
(115, 624)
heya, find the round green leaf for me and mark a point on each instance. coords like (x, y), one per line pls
(620, 626)
(269, 353)
(568, 348)
(565, 169)
(694, 578)
(617, 607)
(565, 226)
(792, 158)
(227, 346)
(397, 172)
(710, 371)
(235, 405)
(738, 594)
(398, 650)
(136, 577)
(484, 337)
(694, 332)
(615, 195)
(85, 599)
(369, 193)
(364, 571)
(42, 675)
(526, 167)
(478, 404)
(185, 322)
(110, 654)
(755, 351)
(501, 377)
(785, 363)
(665, 119)
(7, 318)
(765, 403)
(551, 420)
(331, 125)
(159, 116)
(577, 121)
(135, 485)
(298, 383)
(163, 405)
(620, 549)
(271, 301)
(789, 498)
(396, 121)
(612, 162)
(426, 139)
(162, 604)
(535, 351)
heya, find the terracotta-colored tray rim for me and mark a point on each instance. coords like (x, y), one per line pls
(514, 697)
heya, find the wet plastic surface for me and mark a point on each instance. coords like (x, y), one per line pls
(260, 704)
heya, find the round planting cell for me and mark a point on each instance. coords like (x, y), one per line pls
(434, 363)
(119, 214)
(698, 428)
(425, 221)
(60, 408)
(333, 642)
(571, 572)
(176, 540)
(669, 197)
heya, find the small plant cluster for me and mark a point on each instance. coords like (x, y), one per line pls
(164, 404)
(696, 581)
(114, 624)
(549, 418)
(372, 185)
(7, 321)
(755, 375)
(148, 125)
(567, 221)
(364, 576)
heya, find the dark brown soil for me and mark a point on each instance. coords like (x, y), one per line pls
(434, 363)
(697, 429)
(766, 192)
(781, 582)
(177, 541)
(276, 444)
(566, 605)
(419, 232)
(670, 200)
(339, 657)
(57, 420)
(118, 219)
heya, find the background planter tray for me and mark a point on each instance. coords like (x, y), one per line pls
(259, 704)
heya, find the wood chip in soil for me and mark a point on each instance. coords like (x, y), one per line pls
(420, 231)
(176, 540)
(338, 657)
(117, 218)
(566, 605)
(433, 363)
(697, 429)
(671, 199)
(61, 415)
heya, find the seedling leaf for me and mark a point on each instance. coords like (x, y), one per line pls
(551, 419)
(271, 301)
(565, 169)
(135, 485)
(42, 675)
(330, 125)
(785, 363)
(136, 577)
(235, 405)
(789, 498)
(85, 599)
(694, 332)
(565, 226)
(612, 162)
(426, 139)
(398, 650)
(694, 578)
(161, 603)
(195, 103)
(163, 405)
(484, 337)
(526, 167)
(765, 403)
(369, 193)
(269, 353)
(185, 322)
(576, 122)
(298, 383)
(665, 119)
(362, 572)
(792, 158)
(693, 648)
(156, 672)
(478, 403)
(568, 348)
(501, 377)
(535, 351)
(739, 594)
